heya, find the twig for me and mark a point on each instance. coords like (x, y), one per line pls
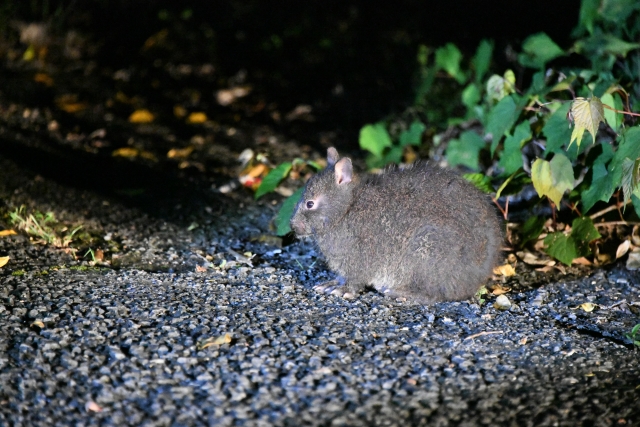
(604, 224)
(482, 334)
(608, 209)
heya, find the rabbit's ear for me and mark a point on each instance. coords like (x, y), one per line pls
(332, 156)
(344, 171)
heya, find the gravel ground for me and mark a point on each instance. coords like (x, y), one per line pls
(189, 331)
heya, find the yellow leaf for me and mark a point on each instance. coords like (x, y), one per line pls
(9, 232)
(197, 117)
(222, 339)
(587, 114)
(505, 270)
(141, 116)
(588, 307)
(126, 152)
(179, 153)
(3, 260)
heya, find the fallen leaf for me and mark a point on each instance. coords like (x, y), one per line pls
(37, 323)
(502, 303)
(8, 232)
(179, 153)
(98, 254)
(141, 116)
(200, 269)
(587, 306)
(523, 341)
(506, 270)
(69, 103)
(92, 406)
(227, 96)
(179, 111)
(581, 261)
(623, 248)
(222, 339)
(197, 118)
(3, 260)
(635, 235)
(531, 259)
(633, 261)
(546, 268)
(44, 79)
(499, 290)
(125, 152)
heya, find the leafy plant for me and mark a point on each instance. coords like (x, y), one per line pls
(634, 335)
(43, 227)
(537, 134)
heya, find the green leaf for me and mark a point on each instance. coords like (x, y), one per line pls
(448, 58)
(601, 44)
(618, 11)
(482, 59)
(394, 155)
(576, 244)
(286, 212)
(588, 15)
(514, 184)
(471, 96)
(465, 151)
(413, 135)
(601, 187)
(628, 147)
(375, 138)
(538, 49)
(583, 232)
(501, 119)
(629, 178)
(613, 119)
(273, 178)
(511, 157)
(531, 229)
(561, 247)
(481, 181)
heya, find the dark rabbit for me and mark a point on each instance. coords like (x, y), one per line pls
(421, 233)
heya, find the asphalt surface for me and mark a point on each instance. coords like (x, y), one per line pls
(191, 329)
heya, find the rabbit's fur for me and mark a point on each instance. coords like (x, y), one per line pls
(421, 233)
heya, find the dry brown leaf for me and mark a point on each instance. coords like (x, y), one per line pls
(37, 323)
(635, 235)
(8, 232)
(505, 270)
(531, 259)
(546, 268)
(523, 341)
(98, 254)
(197, 117)
(200, 269)
(180, 153)
(141, 116)
(69, 103)
(623, 248)
(3, 261)
(44, 79)
(499, 290)
(179, 111)
(581, 261)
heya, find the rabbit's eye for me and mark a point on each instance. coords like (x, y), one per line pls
(310, 204)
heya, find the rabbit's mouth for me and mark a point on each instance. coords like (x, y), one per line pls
(299, 228)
